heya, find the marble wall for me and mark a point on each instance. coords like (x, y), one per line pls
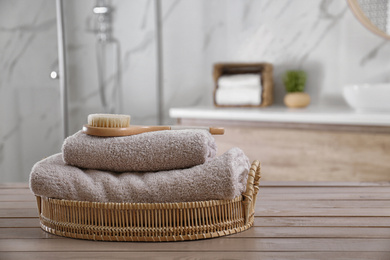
(320, 36)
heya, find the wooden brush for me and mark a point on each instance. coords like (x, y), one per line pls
(119, 125)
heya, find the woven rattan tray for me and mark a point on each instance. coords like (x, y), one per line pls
(151, 221)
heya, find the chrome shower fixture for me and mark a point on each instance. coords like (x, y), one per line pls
(108, 59)
(101, 9)
(103, 23)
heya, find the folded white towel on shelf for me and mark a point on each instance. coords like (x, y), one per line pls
(239, 89)
(235, 80)
(238, 96)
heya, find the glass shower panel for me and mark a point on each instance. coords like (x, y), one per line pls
(29, 98)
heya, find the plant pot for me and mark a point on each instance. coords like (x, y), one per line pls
(297, 99)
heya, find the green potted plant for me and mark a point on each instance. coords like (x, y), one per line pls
(295, 81)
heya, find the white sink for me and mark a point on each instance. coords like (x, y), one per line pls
(368, 97)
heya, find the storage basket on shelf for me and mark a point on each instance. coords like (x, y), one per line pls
(264, 70)
(151, 221)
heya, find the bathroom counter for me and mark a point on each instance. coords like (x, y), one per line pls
(309, 144)
(340, 115)
(317, 220)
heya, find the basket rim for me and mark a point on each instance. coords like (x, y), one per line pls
(135, 205)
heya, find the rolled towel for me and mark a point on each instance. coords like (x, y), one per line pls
(234, 80)
(153, 151)
(238, 96)
(224, 177)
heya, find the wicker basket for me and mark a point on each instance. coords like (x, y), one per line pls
(264, 69)
(151, 221)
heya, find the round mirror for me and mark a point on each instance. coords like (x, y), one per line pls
(373, 14)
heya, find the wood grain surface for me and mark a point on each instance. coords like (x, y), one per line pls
(304, 152)
(293, 220)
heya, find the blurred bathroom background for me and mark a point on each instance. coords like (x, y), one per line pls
(320, 36)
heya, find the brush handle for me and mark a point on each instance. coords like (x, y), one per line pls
(213, 130)
(133, 130)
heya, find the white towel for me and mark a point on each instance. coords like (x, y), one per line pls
(238, 90)
(238, 96)
(236, 80)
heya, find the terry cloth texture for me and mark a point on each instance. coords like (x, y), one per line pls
(152, 151)
(224, 177)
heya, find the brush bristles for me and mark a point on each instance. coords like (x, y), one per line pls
(109, 120)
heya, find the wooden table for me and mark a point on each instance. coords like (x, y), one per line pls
(294, 220)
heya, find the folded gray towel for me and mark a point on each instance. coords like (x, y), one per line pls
(153, 151)
(224, 177)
